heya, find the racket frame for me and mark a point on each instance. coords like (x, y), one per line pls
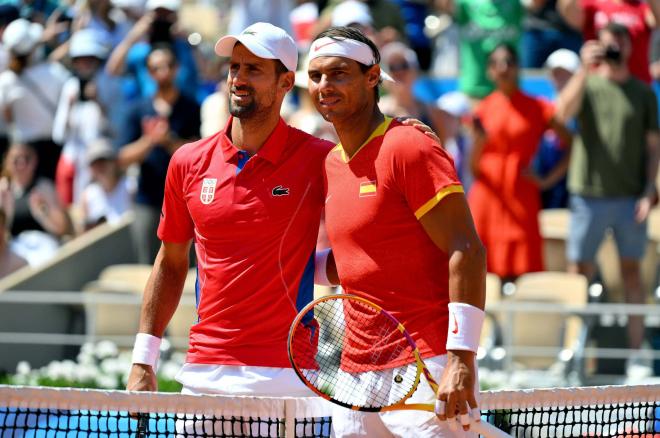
(421, 366)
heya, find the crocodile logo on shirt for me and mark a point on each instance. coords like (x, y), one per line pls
(280, 191)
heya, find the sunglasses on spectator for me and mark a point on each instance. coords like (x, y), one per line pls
(399, 66)
(507, 62)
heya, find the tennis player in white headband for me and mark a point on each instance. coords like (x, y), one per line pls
(402, 235)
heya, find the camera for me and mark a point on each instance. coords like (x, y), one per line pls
(612, 53)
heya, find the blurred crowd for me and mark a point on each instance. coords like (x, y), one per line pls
(96, 95)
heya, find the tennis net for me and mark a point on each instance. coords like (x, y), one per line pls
(610, 411)
(605, 411)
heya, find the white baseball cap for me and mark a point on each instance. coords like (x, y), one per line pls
(455, 103)
(100, 149)
(265, 41)
(87, 42)
(170, 5)
(350, 12)
(563, 58)
(21, 36)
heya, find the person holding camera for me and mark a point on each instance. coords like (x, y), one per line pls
(614, 161)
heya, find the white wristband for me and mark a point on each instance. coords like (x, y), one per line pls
(321, 268)
(146, 349)
(465, 323)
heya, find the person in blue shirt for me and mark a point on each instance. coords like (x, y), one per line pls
(154, 28)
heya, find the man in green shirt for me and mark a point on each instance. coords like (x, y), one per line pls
(614, 161)
(483, 24)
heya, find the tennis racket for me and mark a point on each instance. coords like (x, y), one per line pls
(353, 353)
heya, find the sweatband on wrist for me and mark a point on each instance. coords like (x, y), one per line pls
(321, 268)
(465, 323)
(146, 349)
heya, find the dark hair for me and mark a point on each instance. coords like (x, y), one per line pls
(616, 29)
(353, 33)
(18, 63)
(509, 48)
(163, 47)
(280, 68)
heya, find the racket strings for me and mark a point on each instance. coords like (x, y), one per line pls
(361, 358)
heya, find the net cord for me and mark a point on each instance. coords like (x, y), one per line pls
(148, 402)
(564, 397)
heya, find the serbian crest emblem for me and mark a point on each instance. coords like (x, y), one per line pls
(208, 190)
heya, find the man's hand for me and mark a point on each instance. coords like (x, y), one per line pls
(456, 387)
(142, 378)
(645, 204)
(592, 53)
(420, 126)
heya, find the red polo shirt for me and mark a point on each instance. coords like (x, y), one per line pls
(255, 225)
(373, 205)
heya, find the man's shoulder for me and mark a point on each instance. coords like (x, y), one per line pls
(400, 138)
(310, 142)
(191, 153)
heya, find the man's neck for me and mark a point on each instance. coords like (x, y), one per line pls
(250, 134)
(168, 93)
(354, 131)
(615, 73)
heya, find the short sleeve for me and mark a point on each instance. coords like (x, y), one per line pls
(176, 225)
(422, 170)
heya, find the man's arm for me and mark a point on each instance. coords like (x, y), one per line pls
(116, 63)
(650, 196)
(161, 298)
(572, 12)
(653, 18)
(570, 99)
(449, 224)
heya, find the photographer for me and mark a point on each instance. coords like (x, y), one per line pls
(614, 161)
(155, 28)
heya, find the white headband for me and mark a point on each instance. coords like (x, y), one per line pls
(346, 48)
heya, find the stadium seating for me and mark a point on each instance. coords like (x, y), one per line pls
(527, 331)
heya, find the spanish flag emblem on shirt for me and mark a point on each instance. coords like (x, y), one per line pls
(367, 188)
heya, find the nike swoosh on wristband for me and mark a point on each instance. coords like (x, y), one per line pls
(455, 331)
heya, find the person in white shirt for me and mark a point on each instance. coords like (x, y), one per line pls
(108, 197)
(29, 92)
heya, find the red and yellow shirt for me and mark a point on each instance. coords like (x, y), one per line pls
(373, 204)
(254, 223)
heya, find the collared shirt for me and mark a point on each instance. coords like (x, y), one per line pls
(373, 205)
(255, 234)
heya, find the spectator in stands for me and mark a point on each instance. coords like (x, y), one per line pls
(414, 14)
(639, 17)
(9, 260)
(401, 62)
(553, 156)
(8, 13)
(108, 197)
(244, 13)
(380, 19)
(505, 196)
(614, 161)
(29, 92)
(96, 15)
(545, 32)
(483, 24)
(88, 104)
(450, 115)
(215, 107)
(155, 28)
(36, 218)
(154, 128)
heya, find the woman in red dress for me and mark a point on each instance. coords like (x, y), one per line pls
(505, 198)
